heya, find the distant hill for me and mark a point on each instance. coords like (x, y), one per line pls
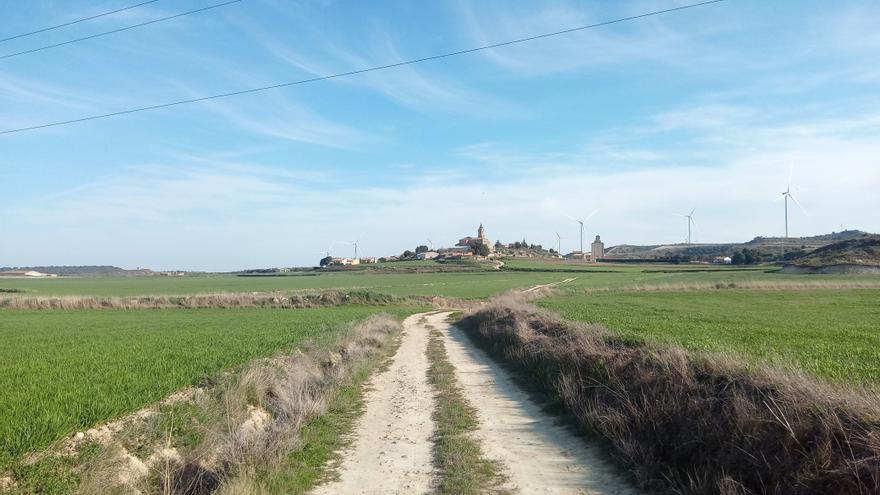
(861, 254)
(769, 248)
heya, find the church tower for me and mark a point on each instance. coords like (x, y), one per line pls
(481, 233)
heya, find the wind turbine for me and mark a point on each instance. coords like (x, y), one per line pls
(786, 195)
(581, 222)
(690, 217)
(355, 244)
(558, 244)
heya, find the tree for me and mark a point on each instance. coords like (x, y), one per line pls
(326, 260)
(408, 254)
(498, 246)
(737, 258)
(749, 257)
(482, 249)
(422, 249)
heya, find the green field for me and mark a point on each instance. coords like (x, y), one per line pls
(470, 285)
(833, 334)
(452, 284)
(66, 370)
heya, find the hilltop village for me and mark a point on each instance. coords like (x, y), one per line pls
(476, 247)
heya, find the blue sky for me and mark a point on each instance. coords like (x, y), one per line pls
(708, 108)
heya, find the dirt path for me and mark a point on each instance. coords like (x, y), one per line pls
(540, 456)
(553, 284)
(392, 453)
(392, 450)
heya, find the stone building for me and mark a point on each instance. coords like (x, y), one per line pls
(597, 249)
(481, 238)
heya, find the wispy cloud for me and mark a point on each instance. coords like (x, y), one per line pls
(411, 86)
(651, 40)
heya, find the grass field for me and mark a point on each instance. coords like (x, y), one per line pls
(469, 285)
(455, 284)
(67, 370)
(830, 333)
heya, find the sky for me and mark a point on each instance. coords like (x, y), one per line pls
(711, 108)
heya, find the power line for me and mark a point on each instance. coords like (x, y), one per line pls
(98, 35)
(355, 72)
(123, 9)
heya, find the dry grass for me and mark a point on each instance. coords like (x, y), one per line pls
(219, 300)
(273, 300)
(743, 284)
(230, 434)
(690, 423)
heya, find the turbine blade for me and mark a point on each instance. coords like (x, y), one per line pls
(790, 174)
(799, 205)
(591, 215)
(779, 197)
(692, 212)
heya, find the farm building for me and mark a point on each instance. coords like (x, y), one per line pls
(578, 255)
(427, 255)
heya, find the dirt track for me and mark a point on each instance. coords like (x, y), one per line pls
(392, 448)
(391, 453)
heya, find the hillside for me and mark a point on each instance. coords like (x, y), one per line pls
(767, 247)
(861, 254)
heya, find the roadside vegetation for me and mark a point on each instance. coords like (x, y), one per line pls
(63, 371)
(270, 426)
(463, 468)
(691, 422)
(831, 334)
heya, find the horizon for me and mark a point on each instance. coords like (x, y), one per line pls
(712, 108)
(451, 243)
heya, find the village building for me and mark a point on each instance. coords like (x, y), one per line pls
(577, 255)
(597, 249)
(473, 242)
(427, 255)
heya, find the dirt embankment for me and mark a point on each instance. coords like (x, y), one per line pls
(688, 423)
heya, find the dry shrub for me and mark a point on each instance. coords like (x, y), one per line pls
(251, 419)
(218, 300)
(692, 423)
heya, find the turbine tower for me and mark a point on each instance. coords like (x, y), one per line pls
(785, 196)
(558, 244)
(581, 222)
(691, 222)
